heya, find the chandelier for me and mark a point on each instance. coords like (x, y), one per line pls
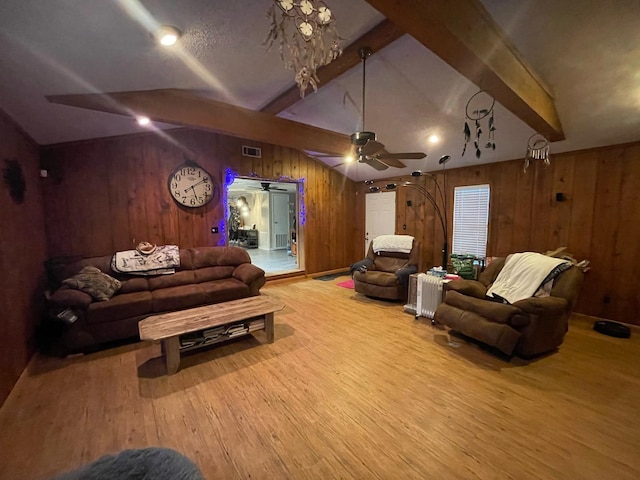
(307, 35)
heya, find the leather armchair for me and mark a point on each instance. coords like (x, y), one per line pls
(386, 274)
(528, 327)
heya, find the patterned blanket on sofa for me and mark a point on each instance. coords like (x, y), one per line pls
(162, 261)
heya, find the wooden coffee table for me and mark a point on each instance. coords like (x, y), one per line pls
(198, 327)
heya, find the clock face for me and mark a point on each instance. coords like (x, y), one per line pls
(191, 186)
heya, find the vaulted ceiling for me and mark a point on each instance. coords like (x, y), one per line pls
(565, 68)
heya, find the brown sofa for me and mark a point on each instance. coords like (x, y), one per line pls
(528, 327)
(206, 275)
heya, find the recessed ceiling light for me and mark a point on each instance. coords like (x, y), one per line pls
(434, 139)
(143, 121)
(167, 35)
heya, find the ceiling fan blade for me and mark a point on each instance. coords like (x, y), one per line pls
(371, 148)
(401, 156)
(392, 162)
(372, 162)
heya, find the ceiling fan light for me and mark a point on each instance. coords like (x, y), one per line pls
(434, 138)
(167, 35)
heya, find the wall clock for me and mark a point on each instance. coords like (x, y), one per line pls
(192, 186)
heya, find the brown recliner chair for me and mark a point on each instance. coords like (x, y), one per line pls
(528, 327)
(386, 274)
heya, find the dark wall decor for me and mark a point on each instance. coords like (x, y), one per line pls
(14, 179)
(479, 107)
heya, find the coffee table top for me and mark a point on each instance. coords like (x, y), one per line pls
(166, 325)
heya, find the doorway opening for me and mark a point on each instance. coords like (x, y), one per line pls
(263, 219)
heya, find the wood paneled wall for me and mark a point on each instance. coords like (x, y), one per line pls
(109, 194)
(598, 221)
(22, 253)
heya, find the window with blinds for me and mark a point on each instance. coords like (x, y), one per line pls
(470, 220)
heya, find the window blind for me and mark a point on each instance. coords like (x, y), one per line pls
(470, 220)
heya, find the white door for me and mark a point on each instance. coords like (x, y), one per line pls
(279, 220)
(380, 216)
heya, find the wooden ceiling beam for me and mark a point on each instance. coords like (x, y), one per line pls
(180, 107)
(377, 38)
(463, 34)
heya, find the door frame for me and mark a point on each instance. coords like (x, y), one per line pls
(391, 196)
(300, 210)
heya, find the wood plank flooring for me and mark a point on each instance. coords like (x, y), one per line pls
(352, 388)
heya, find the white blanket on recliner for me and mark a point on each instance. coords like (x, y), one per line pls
(393, 243)
(522, 275)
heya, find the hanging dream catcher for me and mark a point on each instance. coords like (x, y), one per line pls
(537, 149)
(479, 107)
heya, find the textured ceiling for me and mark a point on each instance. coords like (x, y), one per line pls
(586, 52)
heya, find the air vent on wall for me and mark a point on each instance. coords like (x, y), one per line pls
(251, 151)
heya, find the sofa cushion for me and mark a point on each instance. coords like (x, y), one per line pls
(186, 260)
(212, 256)
(119, 307)
(248, 273)
(177, 298)
(382, 279)
(92, 281)
(492, 311)
(390, 264)
(224, 290)
(392, 292)
(184, 277)
(499, 335)
(489, 274)
(134, 284)
(69, 297)
(207, 274)
(472, 288)
(61, 268)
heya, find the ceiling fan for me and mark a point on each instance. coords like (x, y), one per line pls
(266, 187)
(367, 149)
(255, 185)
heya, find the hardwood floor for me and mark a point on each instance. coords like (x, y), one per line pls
(351, 388)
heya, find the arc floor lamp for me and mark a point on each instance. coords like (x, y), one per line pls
(441, 212)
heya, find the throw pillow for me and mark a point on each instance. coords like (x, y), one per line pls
(92, 281)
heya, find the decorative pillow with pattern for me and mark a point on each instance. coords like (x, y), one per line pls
(92, 281)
